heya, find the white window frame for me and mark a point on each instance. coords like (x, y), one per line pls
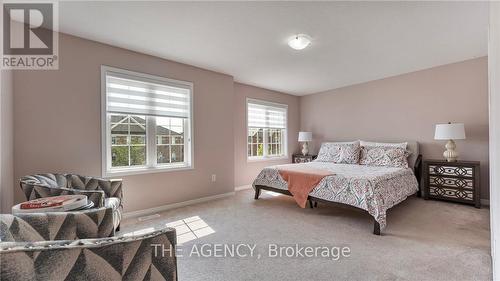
(266, 157)
(151, 149)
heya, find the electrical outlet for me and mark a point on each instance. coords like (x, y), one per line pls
(214, 178)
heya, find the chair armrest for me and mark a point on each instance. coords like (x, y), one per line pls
(116, 185)
(110, 187)
(127, 257)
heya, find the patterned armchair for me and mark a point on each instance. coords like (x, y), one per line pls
(103, 192)
(42, 248)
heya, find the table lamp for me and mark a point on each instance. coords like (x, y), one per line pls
(305, 137)
(450, 132)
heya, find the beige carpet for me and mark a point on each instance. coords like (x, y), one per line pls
(424, 240)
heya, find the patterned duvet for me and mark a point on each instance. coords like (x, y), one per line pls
(372, 188)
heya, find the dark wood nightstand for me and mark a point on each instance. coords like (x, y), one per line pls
(299, 158)
(452, 181)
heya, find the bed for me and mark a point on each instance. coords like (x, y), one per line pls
(374, 189)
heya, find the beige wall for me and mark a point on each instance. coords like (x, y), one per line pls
(57, 121)
(407, 107)
(6, 142)
(244, 171)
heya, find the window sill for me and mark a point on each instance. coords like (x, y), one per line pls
(148, 170)
(267, 159)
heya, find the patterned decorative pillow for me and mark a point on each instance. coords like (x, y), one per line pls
(390, 156)
(339, 152)
(403, 145)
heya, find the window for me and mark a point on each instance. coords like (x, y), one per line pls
(147, 122)
(266, 124)
(169, 140)
(128, 140)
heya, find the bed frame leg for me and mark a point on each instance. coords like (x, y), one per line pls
(315, 204)
(311, 203)
(376, 228)
(257, 193)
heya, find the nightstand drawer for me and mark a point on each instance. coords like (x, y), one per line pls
(451, 171)
(467, 183)
(451, 193)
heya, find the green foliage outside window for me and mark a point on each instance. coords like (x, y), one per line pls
(120, 156)
(260, 149)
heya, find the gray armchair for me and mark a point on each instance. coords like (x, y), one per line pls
(103, 192)
(29, 251)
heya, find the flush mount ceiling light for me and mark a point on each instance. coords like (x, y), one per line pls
(299, 41)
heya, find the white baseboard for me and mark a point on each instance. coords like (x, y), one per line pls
(485, 202)
(154, 210)
(243, 187)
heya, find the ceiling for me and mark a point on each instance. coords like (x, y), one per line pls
(352, 42)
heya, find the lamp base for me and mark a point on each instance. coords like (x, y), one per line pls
(305, 149)
(450, 154)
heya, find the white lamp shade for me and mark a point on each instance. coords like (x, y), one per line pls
(453, 131)
(305, 136)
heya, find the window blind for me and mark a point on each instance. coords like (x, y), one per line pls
(266, 115)
(146, 97)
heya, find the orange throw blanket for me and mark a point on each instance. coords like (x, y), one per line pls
(301, 180)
